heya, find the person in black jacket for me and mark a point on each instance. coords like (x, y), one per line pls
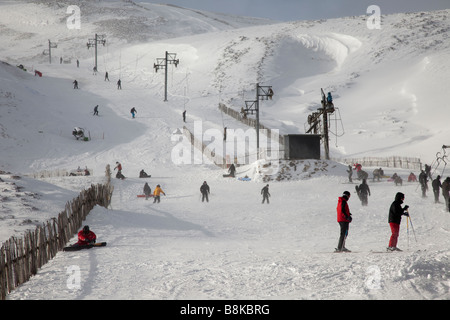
(423, 180)
(395, 217)
(363, 192)
(204, 189)
(147, 191)
(265, 193)
(436, 184)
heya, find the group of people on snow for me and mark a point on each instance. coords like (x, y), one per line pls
(344, 218)
(396, 211)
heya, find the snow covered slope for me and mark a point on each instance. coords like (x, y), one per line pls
(388, 85)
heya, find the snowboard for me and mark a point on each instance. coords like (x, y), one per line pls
(143, 196)
(244, 179)
(228, 176)
(88, 246)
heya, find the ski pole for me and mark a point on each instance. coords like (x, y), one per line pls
(407, 230)
(412, 227)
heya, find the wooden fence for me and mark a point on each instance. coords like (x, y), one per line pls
(385, 162)
(21, 258)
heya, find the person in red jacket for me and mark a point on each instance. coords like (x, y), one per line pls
(86, 237)
(344, 217)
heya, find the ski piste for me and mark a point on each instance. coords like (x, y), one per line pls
(88, 246)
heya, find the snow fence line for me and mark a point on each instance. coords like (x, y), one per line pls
(385, 162)
(21, 258)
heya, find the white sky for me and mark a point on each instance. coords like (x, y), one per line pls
(291, 10)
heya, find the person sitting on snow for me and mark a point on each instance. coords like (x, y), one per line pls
(86, 237)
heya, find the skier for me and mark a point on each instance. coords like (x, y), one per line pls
(344, 217)
(133, 112)
(423, 183)
(395, 217)
(265, 193)
(445, 193)
(184, 116)
(85, 237)
(106, 76)
(147, 191)
(157, 193)
(204, 189)
(436, 184)
(96, 110)
(119, 85)
(75, 84)
(363, 192)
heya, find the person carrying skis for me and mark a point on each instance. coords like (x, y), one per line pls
(265, 193)
(364, 192)
(395, 217)
(344, 217)
(204, 189)
(157, 193)
(86, 237)
(147, 190)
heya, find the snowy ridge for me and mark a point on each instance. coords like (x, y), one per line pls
(388, 85)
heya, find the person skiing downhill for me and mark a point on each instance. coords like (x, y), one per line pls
(395, 217)
(344, 217)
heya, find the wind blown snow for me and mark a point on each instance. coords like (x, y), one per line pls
(389, 86)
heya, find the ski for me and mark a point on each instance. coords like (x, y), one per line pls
(88, 246)
(143, 196)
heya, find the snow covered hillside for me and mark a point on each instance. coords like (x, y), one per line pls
(388, 85)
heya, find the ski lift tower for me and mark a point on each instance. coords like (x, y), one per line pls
(162, 63)
(93, 43)
(50, 46)
(262, 93)
(314, 119)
